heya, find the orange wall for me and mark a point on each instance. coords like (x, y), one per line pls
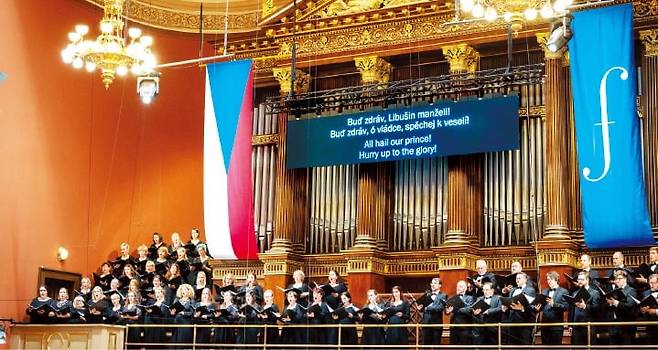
(82, 167)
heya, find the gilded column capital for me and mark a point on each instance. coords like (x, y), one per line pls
(462, 58)
(650, 40)
(373, 69)
(283, 76)
(542, 39)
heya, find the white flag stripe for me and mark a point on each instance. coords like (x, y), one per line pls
(215, 204)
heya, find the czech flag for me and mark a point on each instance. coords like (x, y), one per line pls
(227, 184)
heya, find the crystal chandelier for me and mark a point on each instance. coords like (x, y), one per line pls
(110, 53)
(514, 12)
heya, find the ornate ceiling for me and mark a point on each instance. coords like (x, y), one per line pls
(245, 15)
(334, 31)
(183, 15)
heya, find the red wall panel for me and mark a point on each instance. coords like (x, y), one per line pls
(84, 167)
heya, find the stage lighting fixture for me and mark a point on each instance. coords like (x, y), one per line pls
(560, 34)
(148, 86)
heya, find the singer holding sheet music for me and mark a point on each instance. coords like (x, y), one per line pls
(433, 313)
(346, 315)
(269, 317)
(318, 313)
(79, 311)
(37, 313)
(203, 313)
(97, 306)
(182, 314)
(486, 310)
(642, 278)
(649, 308)
(520, 312)
(400, 315)
(621, 308)
(249, 316)
(372, 335)
(225, 315)
(130, 314)
(62, 312)
(294, 314)
(584, 310)
(457, 308)
(553, 311)
(155, 313)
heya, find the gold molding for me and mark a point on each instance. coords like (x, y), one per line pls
(644, 8)
(239, 269)
(536, 111)
(265, 139)
(457, 261)
(373, 69)
(649, 39)
(187, 21)
(419, 263)
(396, 32)
(283, 76)
(542, 39)
(561, 257)
(462, 58)
(365, 264)
(268, 8)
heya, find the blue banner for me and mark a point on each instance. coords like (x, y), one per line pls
(607, 128)
(469, 126)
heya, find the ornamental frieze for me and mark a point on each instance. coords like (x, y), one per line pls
(377, 35)
(184, 21)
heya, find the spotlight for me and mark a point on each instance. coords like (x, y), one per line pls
(148, 86)
(560, 34)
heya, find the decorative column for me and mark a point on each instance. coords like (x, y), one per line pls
(291, 217)
(291, 185)
(464, 172)
(365, 266)
(462, 58)
(282, 75)
(374, 203)
(649, 114)
(557, 170)
(556, 251)
(459, 252)
(373, 69)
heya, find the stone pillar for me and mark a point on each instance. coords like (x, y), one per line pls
(291, 217)
(464, 171)
(649, 114)
(556, 251)
(291, 184)
(557, 165)
(374, 204)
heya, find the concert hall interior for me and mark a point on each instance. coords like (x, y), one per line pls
(502, 147)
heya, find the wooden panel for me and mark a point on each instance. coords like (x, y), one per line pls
(69, 337)
(359, 283)
(80, 341)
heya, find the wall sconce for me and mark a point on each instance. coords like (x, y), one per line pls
(62, 253)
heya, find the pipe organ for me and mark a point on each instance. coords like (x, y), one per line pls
(379, 223)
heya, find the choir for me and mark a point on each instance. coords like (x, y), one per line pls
(171, 285)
